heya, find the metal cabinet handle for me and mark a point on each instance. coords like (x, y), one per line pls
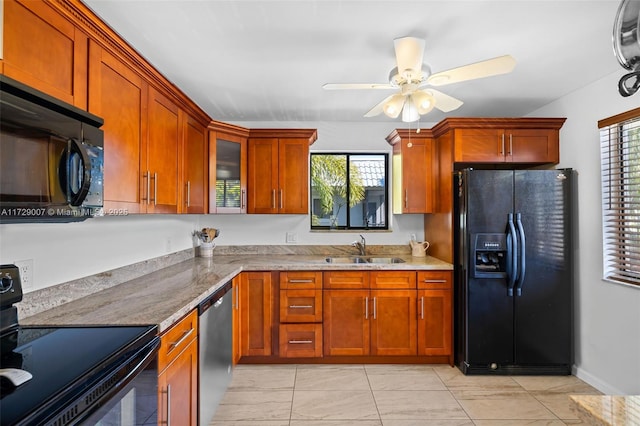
(243, 195)
(300, 342)
(406, 199)
(510, 144)
(273, 198)
(374, 308)
(146, 176)
(281, 199)
(155, 189)
(366, 308)
(434, 281)
(422, 307)
(502, 145)
(300, 281)
(188, 193)
(186, 334)
(168, 393)
(300, 306)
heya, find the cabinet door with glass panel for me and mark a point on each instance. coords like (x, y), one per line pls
(228, 171)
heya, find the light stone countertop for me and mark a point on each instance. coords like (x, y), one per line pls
(607, 409)
(165, 295)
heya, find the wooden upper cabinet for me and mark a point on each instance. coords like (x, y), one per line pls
(278, 170)
(119, 96)
(162, 155)
(194, 166)
(44, 50)
(504, 140)
(227, 168)
(413, 174)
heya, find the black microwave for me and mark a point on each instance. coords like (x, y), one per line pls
(51, 158)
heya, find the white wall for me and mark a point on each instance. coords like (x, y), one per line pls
(607, 345)
(63, 252)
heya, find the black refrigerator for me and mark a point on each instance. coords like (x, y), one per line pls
(513, 271)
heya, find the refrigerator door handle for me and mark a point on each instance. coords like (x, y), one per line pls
(523, 261)
(512, 255)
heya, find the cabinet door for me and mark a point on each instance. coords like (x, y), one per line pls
(262, 174)
(434, 322)
(533, 146)
(227, 173)
(178, 389)
(194, 166)
(413, 176)
(44, 50)
(119, 95)
(235, 318)
(162, 154)
(256, 305)
(293, 176)
(346, 322)
(393, 322)
(479, 146)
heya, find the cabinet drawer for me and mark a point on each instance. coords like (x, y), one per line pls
(300, 340)
(301, 305)
(177, 338)
(393, 279)
(435, 280)
(346, 279)
(301, 279)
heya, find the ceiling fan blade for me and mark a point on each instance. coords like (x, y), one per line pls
(500, 65)
(356, 86)
(409, 52)
(379, 108)
(444, 103)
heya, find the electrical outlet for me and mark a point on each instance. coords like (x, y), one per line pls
(292, 237)
(26, 273)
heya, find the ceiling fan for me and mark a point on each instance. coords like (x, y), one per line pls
(411, 78)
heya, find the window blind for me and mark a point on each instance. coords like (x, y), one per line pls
(620, 167)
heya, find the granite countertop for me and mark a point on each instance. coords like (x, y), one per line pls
(165, 295)
(607, 409)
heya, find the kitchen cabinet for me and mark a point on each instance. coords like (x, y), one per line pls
(361, 321)
(162, 155)
(300, 329)
(119, 95)
(413, 175)
(235, 319)
(256, 313)
(435, 321)
(227, 168)
(195, 165)
(278, 170)
(44, 50)
(178, 373)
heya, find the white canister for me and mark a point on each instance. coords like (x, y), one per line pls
(206, 249)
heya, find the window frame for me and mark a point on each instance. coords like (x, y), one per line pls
(620, 169)
(348, 227)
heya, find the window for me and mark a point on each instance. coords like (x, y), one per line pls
(363, 205)
(620, 165)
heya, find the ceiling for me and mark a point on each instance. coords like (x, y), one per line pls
(267, 60)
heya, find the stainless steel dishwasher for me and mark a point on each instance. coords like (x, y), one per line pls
(215, 351)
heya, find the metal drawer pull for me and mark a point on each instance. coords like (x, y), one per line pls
(182, 339)
(374, 308)
(434, 281)
(300, 281)
(422, 307)
(300, 306)
(300, 342)
(366, 308)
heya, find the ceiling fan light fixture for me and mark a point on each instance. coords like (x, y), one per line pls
(393, 107)
(410, 112)
(423, 101)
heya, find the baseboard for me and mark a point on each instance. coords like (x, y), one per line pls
(595, 381)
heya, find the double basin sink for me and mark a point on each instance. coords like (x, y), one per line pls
(363, 259)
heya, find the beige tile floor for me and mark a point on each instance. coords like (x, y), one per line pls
(393, 395)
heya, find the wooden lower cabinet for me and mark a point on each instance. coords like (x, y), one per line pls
(346, 322)
(435, 313)
(256, 313)
(300, 340)
(393, 323)
(178, 373)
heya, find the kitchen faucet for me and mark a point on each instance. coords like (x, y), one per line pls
(361, 245)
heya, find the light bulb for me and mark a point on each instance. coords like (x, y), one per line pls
(394, 106)
(423, 101)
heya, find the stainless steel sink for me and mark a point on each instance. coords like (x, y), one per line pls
(350, 259)
(385, 260)
(362, 259)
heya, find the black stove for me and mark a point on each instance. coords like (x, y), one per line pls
(75, 371)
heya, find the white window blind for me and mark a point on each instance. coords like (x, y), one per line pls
(620, 166)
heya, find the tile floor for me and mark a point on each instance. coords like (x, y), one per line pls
(393, 395)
